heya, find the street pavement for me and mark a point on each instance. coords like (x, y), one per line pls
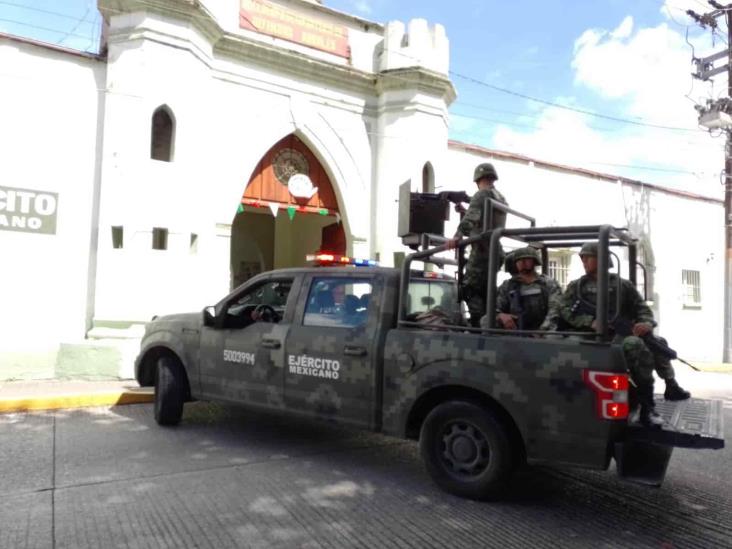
(226, 477)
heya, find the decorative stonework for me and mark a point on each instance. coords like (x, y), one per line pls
(289, 162)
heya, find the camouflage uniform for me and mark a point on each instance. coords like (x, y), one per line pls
(475, 279)
(539, 302)
(535, 304)
(633, 310)
(641, 362)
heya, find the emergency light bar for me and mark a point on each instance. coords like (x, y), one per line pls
(332, 259)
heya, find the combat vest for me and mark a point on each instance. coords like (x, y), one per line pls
(529, 302)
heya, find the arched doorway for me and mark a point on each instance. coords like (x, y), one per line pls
(289, 210)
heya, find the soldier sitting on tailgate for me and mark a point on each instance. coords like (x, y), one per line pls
(578, 309)
(528, 300)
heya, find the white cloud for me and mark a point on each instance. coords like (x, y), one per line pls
(466, 129)
(641, 74)
(362, 6)
(624, 30)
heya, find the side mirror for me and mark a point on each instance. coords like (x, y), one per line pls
(209, 316)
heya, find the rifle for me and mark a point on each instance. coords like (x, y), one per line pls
(624, 327)
(515, 299)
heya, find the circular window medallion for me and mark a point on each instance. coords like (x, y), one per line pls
(287, 163)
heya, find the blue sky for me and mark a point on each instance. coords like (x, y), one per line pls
(69, 23)
(622, 58)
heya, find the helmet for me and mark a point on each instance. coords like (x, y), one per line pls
(529, 252)
(484, 170)
(588, 248)
(509, 264)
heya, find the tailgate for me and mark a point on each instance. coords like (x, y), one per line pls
(644, 453)
(692, 423)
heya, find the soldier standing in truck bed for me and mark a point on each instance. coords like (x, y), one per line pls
(475, 279)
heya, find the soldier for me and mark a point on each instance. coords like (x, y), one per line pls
(528, 300)
(475, 279)
(578, 310)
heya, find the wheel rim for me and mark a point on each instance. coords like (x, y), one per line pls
(464, 449)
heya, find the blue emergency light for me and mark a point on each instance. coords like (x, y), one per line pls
(334, 259)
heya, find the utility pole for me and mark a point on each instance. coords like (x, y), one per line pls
(718, 115)
(727, 354)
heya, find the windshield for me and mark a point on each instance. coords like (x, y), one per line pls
(426, 294)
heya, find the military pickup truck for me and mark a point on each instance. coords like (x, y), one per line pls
(350, 345)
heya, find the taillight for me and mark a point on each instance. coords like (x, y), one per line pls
(611, 393)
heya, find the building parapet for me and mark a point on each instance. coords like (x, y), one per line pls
(514, 157)
(416, 45)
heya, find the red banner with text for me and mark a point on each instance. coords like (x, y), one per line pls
(268, 18)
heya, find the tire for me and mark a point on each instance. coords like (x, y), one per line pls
(169, 391)
(466, 450)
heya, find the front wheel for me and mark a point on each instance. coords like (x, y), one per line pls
(466, 450)
(169, 391)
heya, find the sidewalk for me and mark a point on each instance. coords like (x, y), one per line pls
(23, 396)
(718, 367)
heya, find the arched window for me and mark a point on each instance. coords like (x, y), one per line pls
(428, 178)
(162, 134)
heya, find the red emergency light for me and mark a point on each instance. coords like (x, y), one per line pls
(326, 259)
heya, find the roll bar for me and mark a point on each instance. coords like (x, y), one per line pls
(546, 237)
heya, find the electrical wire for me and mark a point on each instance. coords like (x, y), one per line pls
(719, 36)
(540, 116)
(464, 77)
(704, 5)
(515, 124)
(39, 10)
(78, 24)
(573, 109)
(668, 12)
(637, 122)
(66, 34)
(37, 27)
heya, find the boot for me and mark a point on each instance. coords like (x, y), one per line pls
(674, 391)
(648, 416)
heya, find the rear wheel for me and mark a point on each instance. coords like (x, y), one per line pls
(466, 450)
(169, 391)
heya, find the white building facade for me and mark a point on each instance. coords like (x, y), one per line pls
(152, 178)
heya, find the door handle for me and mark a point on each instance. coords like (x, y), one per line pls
(354, 351)
(271, 343)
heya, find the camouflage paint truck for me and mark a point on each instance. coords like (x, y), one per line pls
(351, 346)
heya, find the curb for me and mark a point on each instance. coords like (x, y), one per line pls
(56, 402)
